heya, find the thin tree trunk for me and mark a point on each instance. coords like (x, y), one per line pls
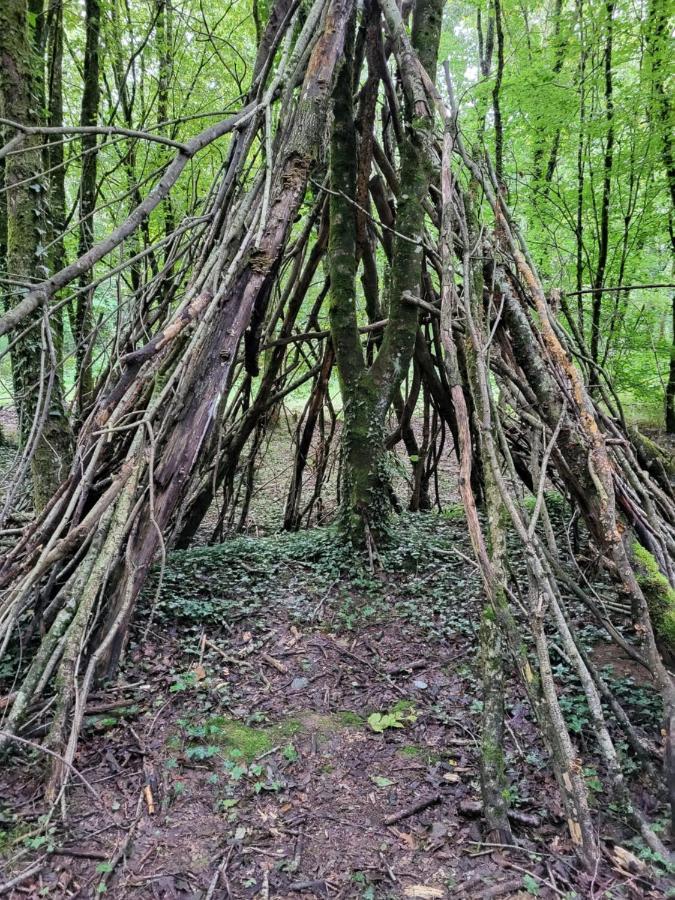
(608, 162)
(84, 317)
(496, 96)
(57, 178)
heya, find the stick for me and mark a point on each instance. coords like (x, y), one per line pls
(34, 746)
(271, 661)
(222, 868)
(27, 873)
(415, 807)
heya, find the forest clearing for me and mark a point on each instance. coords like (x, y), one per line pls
(337, 480)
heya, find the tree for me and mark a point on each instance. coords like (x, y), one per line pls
(368, 391)
(231, 322)
(43, 425)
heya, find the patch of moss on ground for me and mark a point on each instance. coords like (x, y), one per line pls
(250, 742)
(232, 734)
(415, 751)
(350, 719)
(660, 596)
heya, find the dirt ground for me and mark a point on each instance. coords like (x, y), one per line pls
(286, 727)
(289, 724)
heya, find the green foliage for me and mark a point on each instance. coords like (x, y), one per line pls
(531, 885)
(554, 501)
(658, 593)
(556, 127)
(401, 715)
(641, 702)
(242, 741)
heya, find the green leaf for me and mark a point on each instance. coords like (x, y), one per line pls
(381, 781)
(531, 885)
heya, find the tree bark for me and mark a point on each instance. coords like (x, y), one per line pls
(608, 163)
(84, 317)
(42, 421)
(368, 392)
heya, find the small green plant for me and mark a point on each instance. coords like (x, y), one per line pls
(367, 890)
(183, 682)
(290, 754)
(400, 716)
(531, 885)
(593, 783)
(43, 841)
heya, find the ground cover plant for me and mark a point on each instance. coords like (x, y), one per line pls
(336, 504)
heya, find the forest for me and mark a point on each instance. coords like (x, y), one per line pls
(337, 449)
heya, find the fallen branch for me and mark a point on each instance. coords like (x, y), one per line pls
(411, 810)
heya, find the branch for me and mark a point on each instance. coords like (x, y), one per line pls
(46, 289)
(108, 130)
(624, 287)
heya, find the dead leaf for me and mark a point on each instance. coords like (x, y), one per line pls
(452, 777)
(424, 891)
(200, 672)
(406, 838)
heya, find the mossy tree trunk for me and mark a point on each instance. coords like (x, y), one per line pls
(42, 421)
(56, 160)
(368, 392)
(88, 117)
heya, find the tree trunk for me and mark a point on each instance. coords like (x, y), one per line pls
(57, 177)
(88, 116)
(43, 425)
(368, 392)
(608, 162)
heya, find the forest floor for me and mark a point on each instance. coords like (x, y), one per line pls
(289, 724)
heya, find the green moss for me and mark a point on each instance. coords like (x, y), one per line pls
(288, 728)
(406, 706)
(489, 614)
(350, 719)
(492, 754)
(249, 742)
(660, 596)
(416, 751)
(411, 750)
(653, 451)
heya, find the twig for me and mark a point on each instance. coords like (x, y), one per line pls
(220, 871)
(416, 807)
(271, 661)
(22, 876)
(34, 746)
